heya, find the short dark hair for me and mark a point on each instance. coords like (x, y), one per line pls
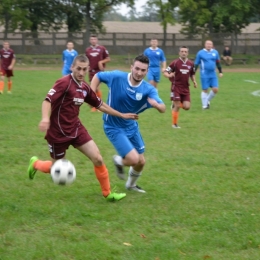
(142, 58)
(93, 36)
(185, 47)
(80, 58)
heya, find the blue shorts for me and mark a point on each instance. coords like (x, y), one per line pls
(125, 140)
(154, 74)
(209, 83)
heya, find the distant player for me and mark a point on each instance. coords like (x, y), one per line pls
(68, 56)
(98, 57)
(128, 93)
(7, 61)
(157, 59)
(179, 72)
(60, 111)
(208, 59)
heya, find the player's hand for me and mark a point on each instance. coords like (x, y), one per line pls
(10, 67)
(130, 116)
(100, 66)
(220, 75)
(195, 84)
(1, 73)
(44, 125)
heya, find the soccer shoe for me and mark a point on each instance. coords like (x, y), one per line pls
(175, 126)
(113, 196)
(31, 170)
(119, 169)
(135, 188)
(208, 106)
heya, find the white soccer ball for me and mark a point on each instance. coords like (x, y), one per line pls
(63, 172)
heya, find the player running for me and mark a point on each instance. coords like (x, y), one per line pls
(128, 93)
(156, 59)
(60, 111)
(68, 56)
(179, 72)
(208, 59)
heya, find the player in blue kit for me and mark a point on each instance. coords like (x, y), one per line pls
(157, 58)
(128, 92)
(68, 56)
(208, 59)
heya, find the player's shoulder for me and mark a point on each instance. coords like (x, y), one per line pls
(175, 61)
(190, 62)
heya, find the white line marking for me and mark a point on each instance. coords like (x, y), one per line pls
(251, 81)
(256, 93)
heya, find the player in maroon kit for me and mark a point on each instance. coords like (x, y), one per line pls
(98, 57)
(179, 72)
(7, 61)
(60, 111)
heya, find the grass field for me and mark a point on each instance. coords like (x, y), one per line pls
(202, 182)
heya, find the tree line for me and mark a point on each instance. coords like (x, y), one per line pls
(196, 16)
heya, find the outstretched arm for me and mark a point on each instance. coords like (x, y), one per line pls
(159, 106)
(109, 110)
(95, 83)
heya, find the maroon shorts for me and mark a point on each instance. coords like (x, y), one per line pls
(92, 73)
(176, 95)
(58, 150)
(7, 73)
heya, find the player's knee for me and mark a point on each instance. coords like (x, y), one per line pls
(186, 107)
(97, 159)
(141, 161)
(215, 90)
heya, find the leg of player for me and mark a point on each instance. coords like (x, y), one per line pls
(91, 150)
(9, 85)
(35, 164)
(2, 82)
(204, 99)
(133, 175)
(175, 113)
(212, 94)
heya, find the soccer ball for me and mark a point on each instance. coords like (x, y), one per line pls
(63, 172)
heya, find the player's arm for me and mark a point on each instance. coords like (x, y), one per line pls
(194, 80)
(102, 62)
(109, 110)
(45, 121)
(95, 83)
(10, 67)
(158, 106)
(168, 72)
(163, 66)
(219, 68)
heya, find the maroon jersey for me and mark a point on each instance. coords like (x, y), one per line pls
(96, 54)
(183, 71)
(66, 97)
(6, 57)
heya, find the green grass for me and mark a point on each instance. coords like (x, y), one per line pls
(202, 182)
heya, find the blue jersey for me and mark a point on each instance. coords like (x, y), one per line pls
(126, 98)
(156, 56)
(207, 61)
(68, 57)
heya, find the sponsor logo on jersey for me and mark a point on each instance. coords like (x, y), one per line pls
(78, 101)
(94, 54)
(158, 53)
(51, 92)
(138, 96)
(183, 71)
(6, 56)
(214, 54)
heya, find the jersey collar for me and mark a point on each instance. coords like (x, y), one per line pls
(129, 81)
(80, 85)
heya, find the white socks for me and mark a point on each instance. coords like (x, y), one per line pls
(204, 99)
(132, 177)
(211, 95)
(119, 160)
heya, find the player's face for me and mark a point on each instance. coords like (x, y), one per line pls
(208, 45)
(6, 45)
(93, 41)
(70, 45)
(79, 70)
(138, 71)
(154, 43)
(183, 53)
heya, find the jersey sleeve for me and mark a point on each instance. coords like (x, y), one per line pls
(197, 59)
(162, 56)
(105, 53)
(106, 77)
(154, 95)
(92, 99)
(56, 91)
(171, 67)
(63, 56)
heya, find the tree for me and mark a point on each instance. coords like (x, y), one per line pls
(165, 10)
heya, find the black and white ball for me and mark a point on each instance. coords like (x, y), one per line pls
(63, 172)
